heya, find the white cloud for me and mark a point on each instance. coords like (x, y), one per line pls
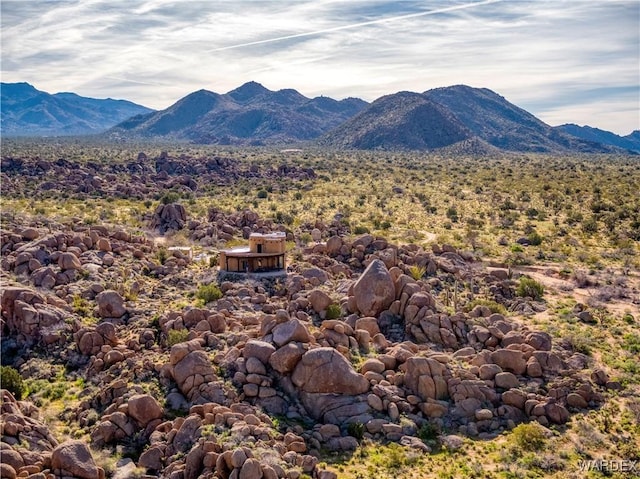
(554, 57)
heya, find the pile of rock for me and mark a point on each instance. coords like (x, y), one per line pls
(192, 446)
(169, 217)
(192, 370)
(140, 413)
(30, 317)
(29, 450)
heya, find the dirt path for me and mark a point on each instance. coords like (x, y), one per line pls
(548, 276)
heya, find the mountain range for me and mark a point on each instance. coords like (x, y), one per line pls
(459, 118)
(445, 116)
(27, 111)
(628, 142)
(250, 114)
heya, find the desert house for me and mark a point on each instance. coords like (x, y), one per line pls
(265, 252)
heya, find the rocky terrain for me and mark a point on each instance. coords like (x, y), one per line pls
(144, 177)
(393, 361)
(135, 351)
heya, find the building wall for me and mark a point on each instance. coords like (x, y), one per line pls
(269, 245)
(243, 264)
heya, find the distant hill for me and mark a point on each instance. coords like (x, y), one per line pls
(402, 121)
(502, 124)
(472, 119)
(26, 111)
(628, 142)
(250, 114)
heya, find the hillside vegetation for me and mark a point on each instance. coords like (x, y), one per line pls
(441, 316)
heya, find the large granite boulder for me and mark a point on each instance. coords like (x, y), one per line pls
(324, 370)
(374, 291)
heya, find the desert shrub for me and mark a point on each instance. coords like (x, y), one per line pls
(262, 194)
(534, 238)
(580, 343)
(583, 280)
(516, 248)
(529, 437)
(81, 306)
(305, 238)
(169, 197)
(11, 380)
(417, 272)
(590, 225)
(529, 288)
(428, 432)
(385, 225)
(493, 306)
(176, 336)
(285, 218)
(161, 255)
(532, 213)
(452, 214)
(208, 293)
(608, 293)
(632, 343)
(360, 230)
(334, 311)
(356, 429)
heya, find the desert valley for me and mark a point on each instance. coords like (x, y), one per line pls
(258, 284)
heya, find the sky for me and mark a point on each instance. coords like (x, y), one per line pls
(565, 61)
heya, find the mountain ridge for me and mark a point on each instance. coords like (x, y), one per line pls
(249, 114)
(27, 111)
(458, 117)
(586, 132)
(483, 115)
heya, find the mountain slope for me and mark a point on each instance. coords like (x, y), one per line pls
(402, 121)
(629, 142)
(250, 114)
(26, 111)
(503, 124)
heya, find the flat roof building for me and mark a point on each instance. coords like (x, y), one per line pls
(265, 252)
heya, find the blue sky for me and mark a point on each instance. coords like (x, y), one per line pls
(565, 61)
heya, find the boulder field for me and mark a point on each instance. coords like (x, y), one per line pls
(261, 382)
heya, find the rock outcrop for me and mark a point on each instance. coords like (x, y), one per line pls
(374, 291)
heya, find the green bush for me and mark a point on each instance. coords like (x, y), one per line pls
(177, 336)
(334, 311)
(356, 429)
(529, 288)
(262, 194)
(11, 380)
(417, 272)
(169, 197)
(208, 293)
(529, 437)
(534, 239)
(161, 255)
(428, 432)
(493, 306)
(360, 230)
